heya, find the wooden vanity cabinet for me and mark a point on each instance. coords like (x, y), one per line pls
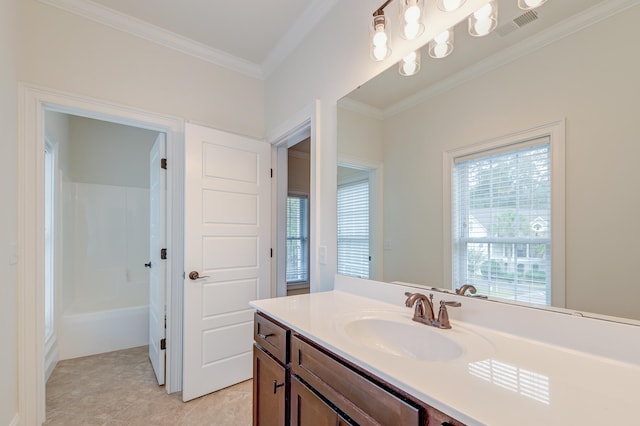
(270, 373)
(307, 408)
(320, 388)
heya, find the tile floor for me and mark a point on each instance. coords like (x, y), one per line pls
(120, 388)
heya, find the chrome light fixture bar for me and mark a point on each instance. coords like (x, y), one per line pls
(480, 23)
(380, 49)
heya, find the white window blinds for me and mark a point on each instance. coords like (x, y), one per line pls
(501, 202)
(297, 240)
(353, 229)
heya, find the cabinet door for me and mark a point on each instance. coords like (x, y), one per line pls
(269, 390)
(307, 409)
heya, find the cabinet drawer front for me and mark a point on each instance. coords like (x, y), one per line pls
(271, 337)
(356, 396)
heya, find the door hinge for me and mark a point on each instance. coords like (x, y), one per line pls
(271, 172)
(163, 254)
(163, 344)
(163, 163)
(271, 253)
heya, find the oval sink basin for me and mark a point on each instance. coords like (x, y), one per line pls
(394, 333)
(411, 340)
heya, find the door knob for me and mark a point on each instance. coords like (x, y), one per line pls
(147, 265)
(193, 275)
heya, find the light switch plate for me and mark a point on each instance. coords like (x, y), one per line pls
(322, 255)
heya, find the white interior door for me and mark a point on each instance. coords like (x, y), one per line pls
(157, 265)
(227, 243)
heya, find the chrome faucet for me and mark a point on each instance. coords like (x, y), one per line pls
(462, 290)
(423, 307)
(423, 311)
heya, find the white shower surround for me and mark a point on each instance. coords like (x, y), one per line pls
(105, 286)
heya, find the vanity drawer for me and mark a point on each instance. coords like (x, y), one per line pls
(352, 393)
(271, 336)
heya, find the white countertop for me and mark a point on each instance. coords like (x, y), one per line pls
(508, 381)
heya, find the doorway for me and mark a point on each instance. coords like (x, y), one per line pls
(298, 212)
(98, 207)
(31, 264)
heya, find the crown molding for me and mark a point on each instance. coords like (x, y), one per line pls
(303, 26)
(114, 19)
(559, 31)
(361, 108)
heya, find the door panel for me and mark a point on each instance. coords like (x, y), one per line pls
(157, 271)
(227, 241)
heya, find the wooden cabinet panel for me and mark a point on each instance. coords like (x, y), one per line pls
(331, 391)
(359, 398)
(307, 409)
(269, 390)
(272, 337)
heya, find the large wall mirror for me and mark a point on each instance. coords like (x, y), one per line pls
(575, 62)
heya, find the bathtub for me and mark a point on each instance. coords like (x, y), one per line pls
(90, 333)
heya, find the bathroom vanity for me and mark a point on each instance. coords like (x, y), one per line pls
(354, 356)
(298, 381)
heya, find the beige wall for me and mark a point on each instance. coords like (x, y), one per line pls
(8, 152)
(109, 153)
(329, 63)
(361, 137)
(298, 172)
(591, 79)
(63, 51)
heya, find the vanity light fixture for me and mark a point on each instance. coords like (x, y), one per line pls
(451, 5)
(484, 20)
(410, 64)
(411, 17)
(442, 45)
(530, 4)
(380, 49)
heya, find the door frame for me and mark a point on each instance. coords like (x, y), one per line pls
(33, 101)
(302, 125)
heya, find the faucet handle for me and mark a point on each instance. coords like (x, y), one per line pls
(443, 315)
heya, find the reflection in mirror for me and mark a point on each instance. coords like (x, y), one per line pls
(576, 64)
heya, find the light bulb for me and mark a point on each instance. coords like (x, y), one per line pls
(380, 52)
(530, 4)
(441, 38)
(411, 57)
(483, 26)
(409, 68)
(380, 38)
(411, 30)
(412, 14)
(484, 12)
(440, 51)
(451, 5)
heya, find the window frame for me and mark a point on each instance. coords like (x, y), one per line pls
(365, 178)
(555, 131)
(306, 239)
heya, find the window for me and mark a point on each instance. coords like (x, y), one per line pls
(506, 217)
(297, 240)
(353, 229)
